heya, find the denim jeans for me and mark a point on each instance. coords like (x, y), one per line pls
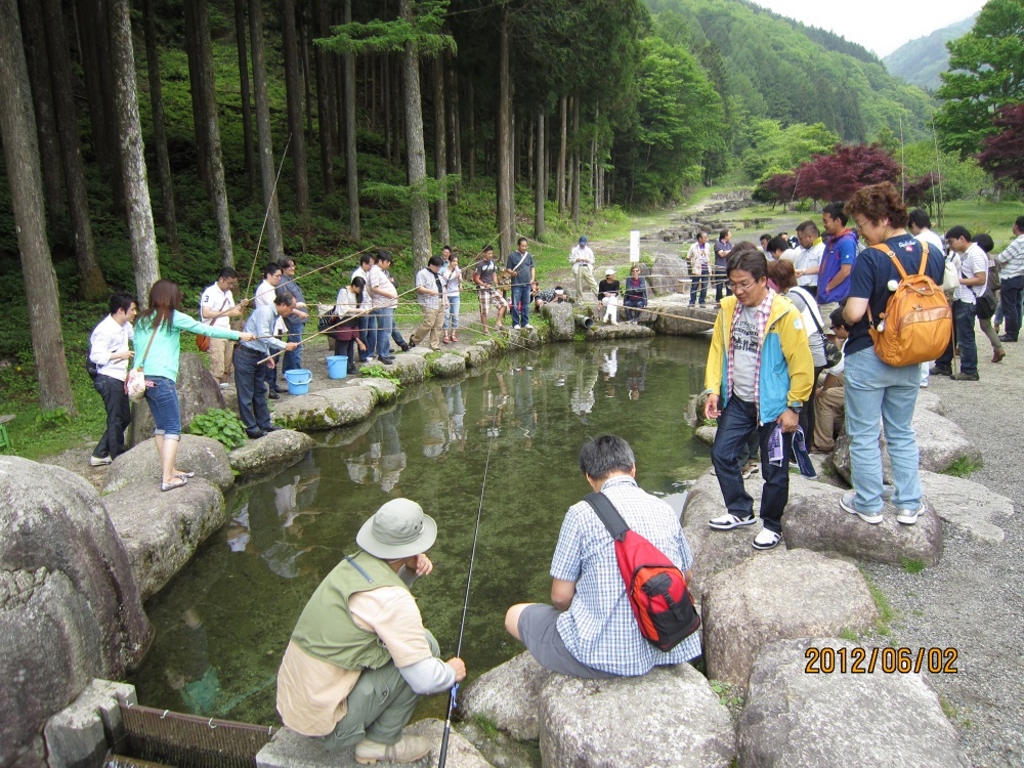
(1010, 294)
(385, 318)
(293, 359)
(699, 282)
(163, 404)
(252, 396)
(119, 416)
(964, 314)
(451, 315)
(735, 426)
(633, 307)
(520, 305)
(368, 333)
(721, 278)
(875, 389)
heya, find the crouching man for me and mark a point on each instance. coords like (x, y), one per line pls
(359, 656)
(590, 631)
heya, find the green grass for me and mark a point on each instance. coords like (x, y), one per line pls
(962, 467)
(848, 634)
(913, 565)
(886, 613)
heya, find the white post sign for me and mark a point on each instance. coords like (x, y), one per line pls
(634, 245)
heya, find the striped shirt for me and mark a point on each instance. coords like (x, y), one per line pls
(1011, 261)
(599, 629)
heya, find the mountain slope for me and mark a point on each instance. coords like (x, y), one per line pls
(920, 61)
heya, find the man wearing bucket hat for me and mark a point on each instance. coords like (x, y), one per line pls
(250, 368)
(359, 656)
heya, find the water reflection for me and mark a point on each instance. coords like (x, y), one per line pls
(223, 623)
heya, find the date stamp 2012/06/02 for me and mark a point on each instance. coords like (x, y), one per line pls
(889, 660)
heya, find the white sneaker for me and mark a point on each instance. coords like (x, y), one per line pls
(766, 539)
(408, 749)
(909, 517)
(516, 328)
(729, 521)
(529, 326)
(99, 461)
(846, 501)
(224, 385)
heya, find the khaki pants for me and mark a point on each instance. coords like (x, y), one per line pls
(584, 274)
(829, 411)
(433, 319)
(221, 365)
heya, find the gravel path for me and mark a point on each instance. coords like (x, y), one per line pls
(973, 600)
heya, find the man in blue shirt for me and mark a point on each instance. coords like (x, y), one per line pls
(251, 362)
(521, 267)
(590, 630)
(837, 260)
(296, 321)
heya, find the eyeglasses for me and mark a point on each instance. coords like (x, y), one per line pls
(745, 286)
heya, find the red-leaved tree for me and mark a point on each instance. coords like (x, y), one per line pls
(919, 194)
(1003, 154)
(847, 169)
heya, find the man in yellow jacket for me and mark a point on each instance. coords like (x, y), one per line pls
(759, 375)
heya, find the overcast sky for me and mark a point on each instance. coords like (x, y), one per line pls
(881, 26)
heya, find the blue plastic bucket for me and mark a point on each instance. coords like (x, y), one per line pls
(298, 380)
(337, 366)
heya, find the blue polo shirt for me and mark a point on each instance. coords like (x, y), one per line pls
(839, 251)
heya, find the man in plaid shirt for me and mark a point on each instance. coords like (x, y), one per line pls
(759, 375)
(590, 631)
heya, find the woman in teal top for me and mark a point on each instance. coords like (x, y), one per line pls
(159, 362)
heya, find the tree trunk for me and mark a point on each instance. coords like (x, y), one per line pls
(385, 97)
(91, 27)
(531, 136)
(243, 82)
(209, 125)
(293, 94)
(275, 238)
(303, 27)
(455, 123)
(593, 156)
(414, 149)
(163, 162)
(194, 51)
(38, 61)
(145, 258)
(324, 97)
(472, 132)
(506, 205)
(542, 182)
(91, 284)
(440, 148)
(351, 159)
(560, 170)
(576, 161)
(21, 151)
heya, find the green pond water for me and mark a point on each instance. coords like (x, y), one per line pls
(223, 623)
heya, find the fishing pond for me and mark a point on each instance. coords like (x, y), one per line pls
(223, 622)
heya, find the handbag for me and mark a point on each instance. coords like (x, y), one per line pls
(135, 382)
(203, 342)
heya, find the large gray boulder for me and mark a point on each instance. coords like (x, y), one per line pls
(561, 320)
(446, 366)
(161, 531)
(968, 505)
(668, 717)
(70, 608)
(275, 450)
(336, 407)
(202, 455)
(793, 594)
(198, 392)
(461, 752)
(666, 272)
(941, 443)
(623, 330)
(678, 320)
(508, 696)
(801, 720)
(814, 520)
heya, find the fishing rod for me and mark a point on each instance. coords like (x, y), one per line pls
(700, 320)
(336, 261)
(266, 215)
(443, 754)
(357, 313)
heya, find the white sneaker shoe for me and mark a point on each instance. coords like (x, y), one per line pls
(517, 328)
(408, 749)
(99, 461)
(909, 517)
(846, 501)
(766, 539)
(529, 326)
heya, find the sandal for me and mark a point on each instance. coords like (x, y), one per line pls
(172, 485)
(454, 338)
(185, 475)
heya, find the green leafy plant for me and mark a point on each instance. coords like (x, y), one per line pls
(221, 425)
(913, 564)
(962, 467)
(379, 372)
(53, 418)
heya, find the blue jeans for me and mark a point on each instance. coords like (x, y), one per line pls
(451, 315)
(735, 426)
(1010, 294)
(293, 359)
(163, 404)
(119, 416)
(368, 333)
(252, 395)
(964, 315)
(385, 318)
(875, 389)
(699, 282)
(520, 305)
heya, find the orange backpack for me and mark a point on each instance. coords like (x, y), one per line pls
(917, 324)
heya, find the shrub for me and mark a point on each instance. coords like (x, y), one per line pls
(221, 425)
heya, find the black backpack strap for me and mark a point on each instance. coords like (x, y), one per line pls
(608, 515)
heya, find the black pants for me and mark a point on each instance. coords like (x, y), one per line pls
(348, 349)
(119, 416)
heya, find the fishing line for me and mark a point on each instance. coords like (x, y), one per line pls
(443, 755)
(266, 215)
